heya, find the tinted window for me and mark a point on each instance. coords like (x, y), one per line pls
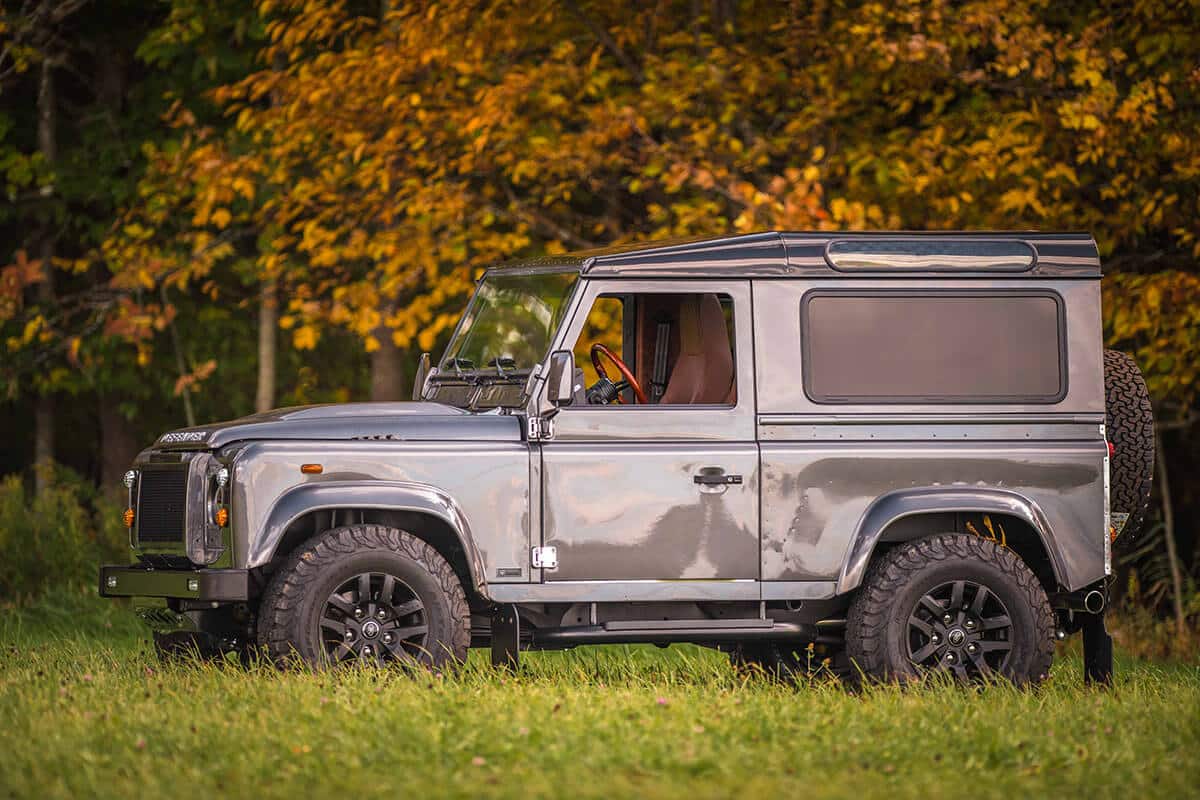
(890, 347)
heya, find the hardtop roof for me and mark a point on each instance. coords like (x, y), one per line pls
(839, 254)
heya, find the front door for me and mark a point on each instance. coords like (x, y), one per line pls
(663, 491)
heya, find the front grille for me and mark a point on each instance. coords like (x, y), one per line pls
(162, 499)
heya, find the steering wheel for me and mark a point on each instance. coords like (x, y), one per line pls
(605, 391)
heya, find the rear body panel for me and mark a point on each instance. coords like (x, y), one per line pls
(824, 465)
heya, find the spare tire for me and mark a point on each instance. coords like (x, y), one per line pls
(1129, 422)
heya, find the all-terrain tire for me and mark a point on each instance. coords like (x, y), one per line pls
(878, 621)
(289, 619)
(1129, 423)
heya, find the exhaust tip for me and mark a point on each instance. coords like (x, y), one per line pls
(1093, 601)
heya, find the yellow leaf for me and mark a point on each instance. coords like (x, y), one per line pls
(305, 337)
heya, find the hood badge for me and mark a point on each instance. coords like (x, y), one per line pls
(183, 436)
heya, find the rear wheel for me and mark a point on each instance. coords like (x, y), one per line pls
(366, 594)
(956, 604)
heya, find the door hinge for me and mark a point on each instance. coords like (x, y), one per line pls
(545, 557)
(540, 428)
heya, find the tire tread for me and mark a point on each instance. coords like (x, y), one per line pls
(866, 620)
(281, 602)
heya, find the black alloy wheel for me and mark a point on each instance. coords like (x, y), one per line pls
(374, 617)
(963, 627)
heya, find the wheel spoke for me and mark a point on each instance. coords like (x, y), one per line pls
(992, 623)
(364, 588)
(985, 671)
(994, 647)
(924, 653)
(399, 653)
(389, 587)
(924, 627)
(410, 631)
(933, 606)
(956, 595)
(960, 671)
(981, 596)
(332, 624)
(340, 603)
(410, 607)
(342, 652)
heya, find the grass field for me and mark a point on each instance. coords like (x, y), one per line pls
(86, 712)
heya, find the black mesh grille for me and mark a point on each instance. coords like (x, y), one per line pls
(161, 503)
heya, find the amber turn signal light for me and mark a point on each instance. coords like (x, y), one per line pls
(127, 518)
(312, 469)
(221, 517)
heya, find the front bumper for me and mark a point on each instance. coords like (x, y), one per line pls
(229, 585)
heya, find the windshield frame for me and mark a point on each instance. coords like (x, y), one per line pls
(479, 372)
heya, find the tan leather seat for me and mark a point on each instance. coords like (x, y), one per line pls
(703, 373)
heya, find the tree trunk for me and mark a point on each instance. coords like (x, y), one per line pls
(1164, 487)
(44, 418)
(43, 443)
(118, 448)
(268, 326)
(387, 367)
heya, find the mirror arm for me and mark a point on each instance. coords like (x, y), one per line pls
(423, 368)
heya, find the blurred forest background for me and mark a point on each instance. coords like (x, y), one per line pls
(216, 206)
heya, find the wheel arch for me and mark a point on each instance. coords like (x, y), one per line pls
(909, 514)
(420, 509)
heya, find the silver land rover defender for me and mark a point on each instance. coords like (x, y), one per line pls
(882, 453)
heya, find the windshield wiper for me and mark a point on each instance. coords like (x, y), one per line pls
(501, 363)
(459, 364)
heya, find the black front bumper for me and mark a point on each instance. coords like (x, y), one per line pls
(228, 585)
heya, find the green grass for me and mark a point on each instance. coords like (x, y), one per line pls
(85, 711)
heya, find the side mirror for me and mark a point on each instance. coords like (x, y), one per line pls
(560, 378)
(418, 392)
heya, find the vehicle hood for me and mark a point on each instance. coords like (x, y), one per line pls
(409, 421)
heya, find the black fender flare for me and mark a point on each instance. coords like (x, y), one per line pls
(896, 505)
(420, 498)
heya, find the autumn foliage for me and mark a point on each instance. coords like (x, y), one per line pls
(374, 164)
(362, 162)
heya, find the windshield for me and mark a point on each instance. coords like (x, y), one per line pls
(510, 321)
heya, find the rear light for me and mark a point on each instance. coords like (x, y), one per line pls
(1112, 450)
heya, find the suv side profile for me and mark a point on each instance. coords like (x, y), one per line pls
(879, 453)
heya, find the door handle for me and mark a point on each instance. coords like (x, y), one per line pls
(715, 476)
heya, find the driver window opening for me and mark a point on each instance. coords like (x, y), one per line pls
(658, 349)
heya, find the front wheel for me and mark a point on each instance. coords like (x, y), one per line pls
(365, 594)
(952, 603)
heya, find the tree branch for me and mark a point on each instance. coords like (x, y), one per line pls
(539, 220)
(605, 38)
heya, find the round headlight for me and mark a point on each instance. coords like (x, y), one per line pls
(129, 478)
(222, 477)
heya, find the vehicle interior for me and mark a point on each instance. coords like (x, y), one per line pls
(658, 349)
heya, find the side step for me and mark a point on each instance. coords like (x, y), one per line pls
(701, 631)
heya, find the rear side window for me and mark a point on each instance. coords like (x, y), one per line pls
(933, 347)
